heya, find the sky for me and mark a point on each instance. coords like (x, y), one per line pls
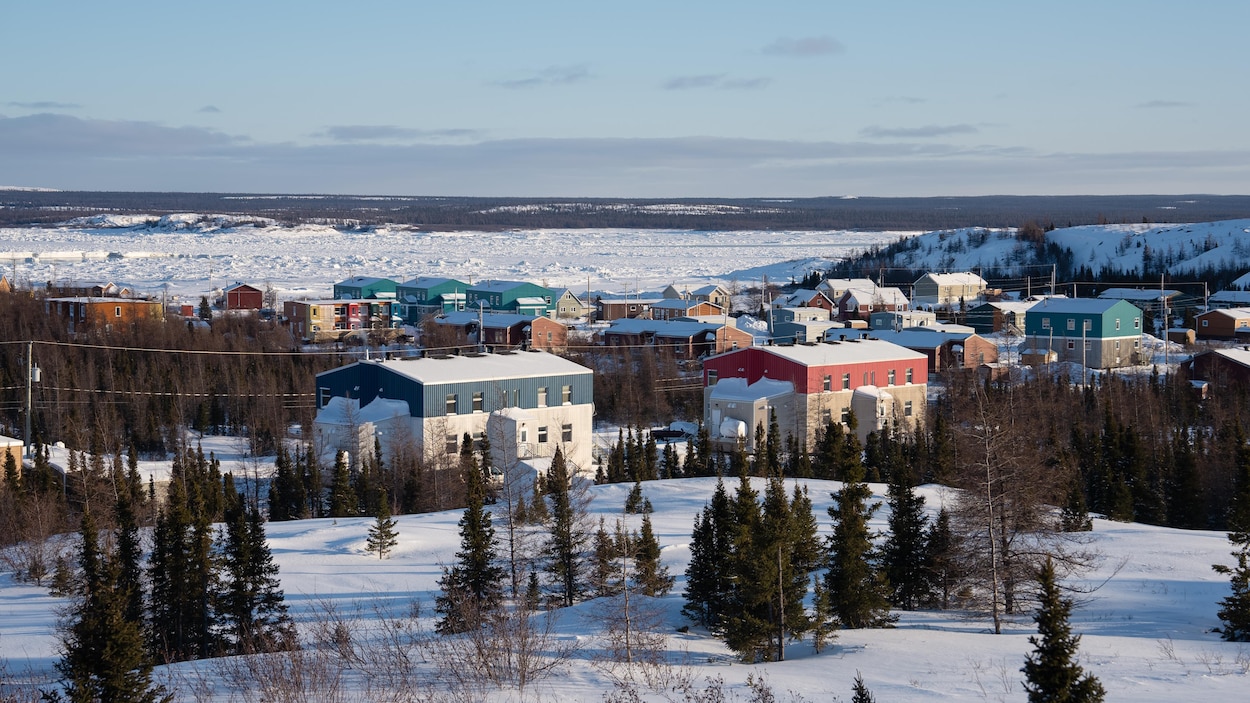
(640, 99)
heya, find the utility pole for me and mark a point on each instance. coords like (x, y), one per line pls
(32, 376)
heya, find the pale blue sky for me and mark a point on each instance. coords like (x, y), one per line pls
(655, 99)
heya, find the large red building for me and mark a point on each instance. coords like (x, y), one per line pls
(810, 385)
(241, 296)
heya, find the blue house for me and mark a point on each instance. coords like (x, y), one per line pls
(428, 295)
(362, 287)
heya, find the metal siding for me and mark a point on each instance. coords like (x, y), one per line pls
(435, 402)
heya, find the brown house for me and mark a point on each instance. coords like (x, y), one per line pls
(102, 313)
(623, 308)
(241, 296)
(1225, 323)
(945, 350)
(685, 339)
(673, 308)
(507, 330)
(1220, 366)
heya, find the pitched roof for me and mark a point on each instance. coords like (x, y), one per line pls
(664, 328)
(956, 279)
(1075, 306)
(490, 320)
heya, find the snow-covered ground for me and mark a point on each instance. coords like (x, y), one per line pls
(188, 255)
(1146, 626)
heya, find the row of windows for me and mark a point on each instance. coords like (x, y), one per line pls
(453, 399)
(870, 378)
(827, 415)
(1088, 325)
(566, 436)
(1089, 344)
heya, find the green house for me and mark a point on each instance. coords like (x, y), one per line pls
(362, 287)
(520, 297)
(429, 295)
(1093, 332)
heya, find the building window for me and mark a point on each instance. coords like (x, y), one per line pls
(477, 401)
(865, 379)
(452, 446)
(846, 381)
(117, 311)
(907, 408)
(1117, 323)
(451, 403)
(1136, 323)
(1071, 323)
(542, 434)
(566, 395)
(525, 435)
(542, 397)
(890, 377)
(1117, 345)
(846, 416)
(1045, 323)
(325, 396)
(1071, 344)
(478, 439)
(826, 416)
(711, 377)
(1204, 323)
(909, 374)
(566, 433)
(828, 383)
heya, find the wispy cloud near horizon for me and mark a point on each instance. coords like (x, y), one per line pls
(805, 47)
(925, 132)
(552, 75)
(44, 105)
(717, 81)
(1162, 104)
(371, 133)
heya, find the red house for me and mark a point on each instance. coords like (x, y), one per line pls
(811, 385)
(241, 296)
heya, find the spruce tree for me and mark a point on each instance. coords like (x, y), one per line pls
(857, 590)
(566, 541)
(747, 630)
(343, 500)
(708, 575)
(382, 536)
(903, 554)
(651, 577)
(473, 587)
(253, 607)
(942, 565)
(103, 655)
(1234, 610)
(1051, 671)
(604, 566)
(860, 693)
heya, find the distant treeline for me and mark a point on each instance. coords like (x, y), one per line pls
(33, 208)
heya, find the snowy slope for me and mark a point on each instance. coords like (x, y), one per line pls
(1146, 629)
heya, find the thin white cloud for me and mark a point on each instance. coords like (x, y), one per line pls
(805, 47)
(44, 105)
(925, 132)
(718, 81)
(1156, 104)
(552, 75)
(374, 133)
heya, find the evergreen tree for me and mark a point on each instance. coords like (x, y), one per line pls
(942, 565)
(1234, 610)
(1074, 517)
(903, 554)
(473, 587)
(11, 480)
(286, 491)
(604, 567)
(181, 569)
(1051, 671)
(857, 591)
(382, 537)
(708, 575)
(253, 607)
(103, 654)
(745, 619)
(342, 498)
(651, 577)
(567, 539)
(860, 691)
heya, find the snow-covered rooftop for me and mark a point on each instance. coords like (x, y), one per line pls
(739, 389)
(482, 367)
(848, 352)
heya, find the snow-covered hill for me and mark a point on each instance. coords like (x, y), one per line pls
(1146, 625)
(1180, 250)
